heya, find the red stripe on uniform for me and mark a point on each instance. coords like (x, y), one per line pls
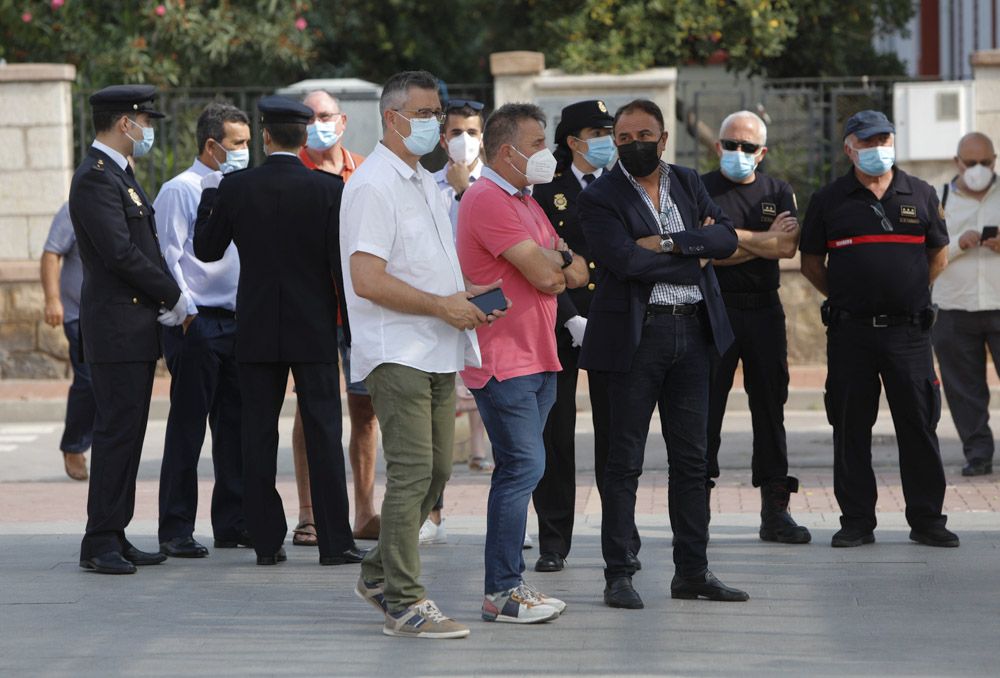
(867, 239)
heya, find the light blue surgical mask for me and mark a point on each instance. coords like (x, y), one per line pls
(601, 151)
(321, 135)
(737, 165)
(142, 146)
(424, 135)
(235, 160)
(875, 161)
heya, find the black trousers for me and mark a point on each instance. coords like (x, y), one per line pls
(670, 370)
(317, 387)
(857, 356)
(204, 385)
(78, 432)
(762, 347)
(121, 392)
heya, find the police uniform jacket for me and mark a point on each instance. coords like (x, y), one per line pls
(285, 221)
(559, 200)
(613, 216)
(125, 280)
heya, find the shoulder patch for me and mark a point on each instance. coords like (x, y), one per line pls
(98, 166)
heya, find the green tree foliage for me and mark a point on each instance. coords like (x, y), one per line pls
(173, 42)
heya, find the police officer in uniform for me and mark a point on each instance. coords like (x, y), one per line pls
(584, 147)
(873, 241)
(285, 221)
(126, 289)
(764, 208)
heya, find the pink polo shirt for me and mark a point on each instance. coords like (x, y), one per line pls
(490, 221)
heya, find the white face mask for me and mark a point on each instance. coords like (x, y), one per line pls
(464, 148)
(978, 178)
(541, 166)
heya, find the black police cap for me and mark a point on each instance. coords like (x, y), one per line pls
(126, 99)
(275, 109)
(582, 114)
(866, 124)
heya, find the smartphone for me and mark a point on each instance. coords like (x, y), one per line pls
(487, 302)
(988, 232)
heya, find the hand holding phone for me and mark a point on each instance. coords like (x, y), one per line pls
(487, 302)
(988, 232)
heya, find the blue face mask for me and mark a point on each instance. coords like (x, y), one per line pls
(141, 147)
(875, 161)
(424, 135)
(321, 135)
(737, 165)
(235, 160)
(601, 151)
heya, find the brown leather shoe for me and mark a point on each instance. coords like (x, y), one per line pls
(76, 466)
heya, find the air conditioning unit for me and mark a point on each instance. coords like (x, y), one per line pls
(931, 117)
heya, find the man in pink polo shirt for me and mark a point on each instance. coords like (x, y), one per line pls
(504, 234)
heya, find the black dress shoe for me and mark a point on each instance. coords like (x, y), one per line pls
(111, 562)
(978, 467)
(619, 593)
(241, 539)
(350, 556)
(706, 586)
(632, 561)
(550, 562)
(936, 535)
(183, 547)
(848, 537)
(137, 557)
(278, 557)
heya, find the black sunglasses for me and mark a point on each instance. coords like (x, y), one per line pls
(886, 224)
(745, 146)
(973, 163)
(454, 104)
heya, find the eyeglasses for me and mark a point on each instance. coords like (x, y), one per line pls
(973, 163)
(745, 146)
(886, 224)
(424, 113)
(329, 117)
(454, 104)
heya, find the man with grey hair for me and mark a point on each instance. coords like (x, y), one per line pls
(763, 211)
(411, 322)
(201, 354)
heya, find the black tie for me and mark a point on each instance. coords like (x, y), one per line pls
(587, 178)
(128, 170)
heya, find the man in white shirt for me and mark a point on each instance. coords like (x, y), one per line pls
(462, 139)
(201, 354)
(968, 296)
(411, 325)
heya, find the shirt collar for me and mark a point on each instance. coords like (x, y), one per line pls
(294, 155)
(489, 173)
(200, 168)
(397, 163)
(900, 182)
(579, 174)
(119, 159)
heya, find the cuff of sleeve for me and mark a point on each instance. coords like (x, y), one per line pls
(370, 248)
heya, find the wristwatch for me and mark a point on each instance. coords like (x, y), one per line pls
(567, 258)
(666, 243)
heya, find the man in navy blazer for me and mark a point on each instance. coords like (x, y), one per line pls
(656, 314)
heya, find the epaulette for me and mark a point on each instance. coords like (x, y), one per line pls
(98, 166)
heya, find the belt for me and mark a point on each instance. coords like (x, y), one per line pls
(751, 301)
(883, 320)
(674, 309)
(216, 312)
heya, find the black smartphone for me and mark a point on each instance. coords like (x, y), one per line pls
(988, 232)
(494, 300)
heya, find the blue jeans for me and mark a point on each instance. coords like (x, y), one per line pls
(514, 413)
(80, 406)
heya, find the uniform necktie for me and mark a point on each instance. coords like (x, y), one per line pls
(587, 178)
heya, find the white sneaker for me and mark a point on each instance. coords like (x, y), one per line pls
(433, 534)
(423, 620)
(519, 605)
(548, 600)
(528, 542)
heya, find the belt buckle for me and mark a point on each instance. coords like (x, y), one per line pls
(884, 323)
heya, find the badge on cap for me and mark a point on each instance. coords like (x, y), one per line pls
(601, 107)
(135, 197)
(560, 201)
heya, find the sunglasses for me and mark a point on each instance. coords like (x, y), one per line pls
(886, 224)
(454, 104)
(973, 163)
(745, 146)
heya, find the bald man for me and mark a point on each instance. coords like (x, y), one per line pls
(968, 296)
(324, 150)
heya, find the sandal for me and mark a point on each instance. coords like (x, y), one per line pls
(480, 465)
(304, 534)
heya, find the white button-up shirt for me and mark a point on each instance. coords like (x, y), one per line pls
(971, 282)
(204, 284)
(397, 214)
(441, 177)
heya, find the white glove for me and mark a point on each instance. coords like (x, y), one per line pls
(175, 316)
(211, 180)
(576, 325)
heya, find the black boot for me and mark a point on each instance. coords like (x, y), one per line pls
(776, 523)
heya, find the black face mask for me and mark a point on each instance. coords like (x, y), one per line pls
(640, 158)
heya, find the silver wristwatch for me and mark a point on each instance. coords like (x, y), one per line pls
(666, 243)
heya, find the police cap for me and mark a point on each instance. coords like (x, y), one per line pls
(275, 109)
(582, 114)
(866, 124)
(126, 99)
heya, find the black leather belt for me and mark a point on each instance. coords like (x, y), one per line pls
(880, 320)
(751, 301)
(216, 312)
(674, 309)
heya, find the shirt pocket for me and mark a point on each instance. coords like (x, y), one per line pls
(419, 237)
